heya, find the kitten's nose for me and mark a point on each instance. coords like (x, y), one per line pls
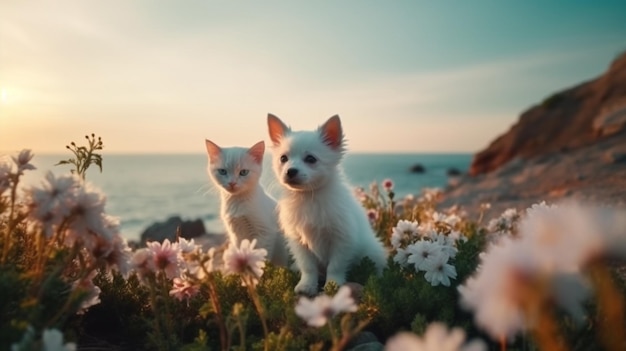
(232, 184)
(292, 172)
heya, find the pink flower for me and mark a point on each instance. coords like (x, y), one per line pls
(436, 338)
(165, 257)
(245, 260)
(183, 289)
(93, 292)
(387, 184)
(372, 215)
(142, 262)
(50, 203)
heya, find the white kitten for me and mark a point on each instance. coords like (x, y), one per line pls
(246, 210)
(326, 227)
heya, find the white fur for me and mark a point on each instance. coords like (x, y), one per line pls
(326, 227)
(246, 210)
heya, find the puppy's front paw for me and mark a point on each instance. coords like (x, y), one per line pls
(306, 287)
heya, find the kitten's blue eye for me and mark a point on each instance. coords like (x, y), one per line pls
(284, 159)
(221, 171)
(244, 172)
(310, 159)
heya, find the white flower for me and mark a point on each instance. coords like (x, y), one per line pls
(436, 338)
(403, 231)
(166, 257)
(420, 252)
(53, 341)
(87, 216)
(186, 246)
(195, 269)
(53, 201)
(245, 260)
(23, 161)
(438, 270)
(492, 293)
(401, 256)
(318, 310)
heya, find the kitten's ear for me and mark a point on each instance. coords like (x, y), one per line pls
(332, 134)
(257, 150)
(213, 150)
(277, 128)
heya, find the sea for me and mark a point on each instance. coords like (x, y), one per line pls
(148, 188)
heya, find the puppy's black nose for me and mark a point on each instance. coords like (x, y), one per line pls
(292, 172)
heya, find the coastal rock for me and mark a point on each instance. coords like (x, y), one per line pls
(160, 231)
(568, 120)
(417, 168)
(453, 172)
(570, 147)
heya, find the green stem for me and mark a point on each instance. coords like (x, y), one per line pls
(259, 307)
(214, 297)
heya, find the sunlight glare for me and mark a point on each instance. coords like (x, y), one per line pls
(3, 95)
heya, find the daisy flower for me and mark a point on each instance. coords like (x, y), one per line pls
(166, 257)
(438, 270)
(436, 338)
(142, 262)
(404, 232)
(420, 252)
(183, 289)
(317, 311)
(245, 260)
(23, 161)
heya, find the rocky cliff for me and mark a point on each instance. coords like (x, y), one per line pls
(570, 119)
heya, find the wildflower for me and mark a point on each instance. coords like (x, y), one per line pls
(401, 256)
(372, 215)
(387, 185)
(195, 269)
(53, 201)
(142, 262)
(404, 231)
(53, 341)
(419, 252)
(245, 259)
(115, 253)
(374, 190)
(165, 257)
(505, 223)
(183, 289)
(492, 293)
(23, 161)
(88, 216)
(92, 291)
(436, 338)
(318, 310)
(438, 270)
(431, 194)
(186, 246)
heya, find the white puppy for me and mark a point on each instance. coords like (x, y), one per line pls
(326, 227)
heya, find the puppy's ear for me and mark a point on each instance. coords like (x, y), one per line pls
(277, 128)
(213, 150)
(332, 134)
(256, 151)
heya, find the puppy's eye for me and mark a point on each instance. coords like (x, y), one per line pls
(310, 159)
(221, 171)
(244, 172)
(284, 159)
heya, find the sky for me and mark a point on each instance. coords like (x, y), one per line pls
(156, 76)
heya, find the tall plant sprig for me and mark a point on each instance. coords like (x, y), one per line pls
(85, 155)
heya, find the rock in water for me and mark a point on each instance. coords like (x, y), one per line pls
(160, 231)
(417, 168)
